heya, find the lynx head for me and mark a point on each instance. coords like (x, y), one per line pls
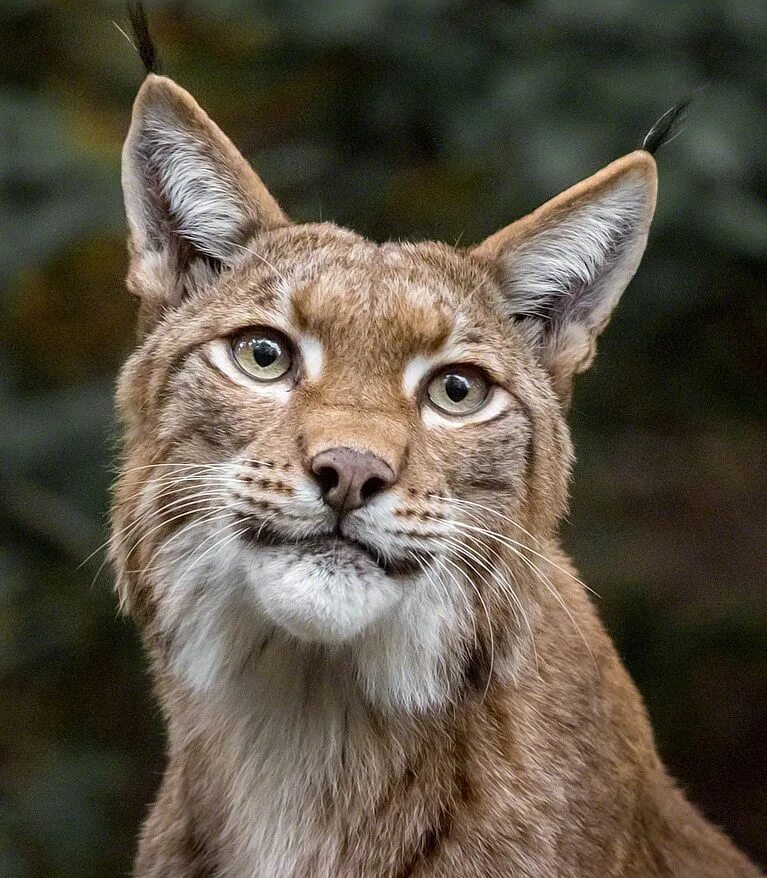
(349, 448)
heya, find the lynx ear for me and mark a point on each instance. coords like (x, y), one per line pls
(564, 267)
(191, 199)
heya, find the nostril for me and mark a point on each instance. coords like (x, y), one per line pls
(371, 487)
(349, 478)
(328, 478)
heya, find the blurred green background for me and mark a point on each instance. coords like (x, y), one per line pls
(431, 118)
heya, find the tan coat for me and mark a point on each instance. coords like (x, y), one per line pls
(422, 686)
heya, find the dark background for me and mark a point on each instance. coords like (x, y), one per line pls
(432, 118)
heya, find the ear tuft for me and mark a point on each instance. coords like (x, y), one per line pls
(143, 38)
(666, 128)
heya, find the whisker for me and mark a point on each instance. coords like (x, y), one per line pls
(425, 570)
(121, 534)
(514, 547)
(189, 507)
(167, 484)
(210, 517)
(170, 486)
(524, 531)
(167, 489)
(492, 511)
(505, 586)
(223, 464)
(441, 564)
(489, 627)
(225, 540)
(146, 516)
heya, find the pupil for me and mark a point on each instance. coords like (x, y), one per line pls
(457, 387)
(265, 352)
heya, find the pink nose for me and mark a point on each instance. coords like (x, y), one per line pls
(349, 478)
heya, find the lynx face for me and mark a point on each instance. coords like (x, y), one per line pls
(341, 446)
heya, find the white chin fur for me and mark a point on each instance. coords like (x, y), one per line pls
(323, 597)
(221, 603)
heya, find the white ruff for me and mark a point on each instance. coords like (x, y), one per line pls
(287, 719)
(284, 734)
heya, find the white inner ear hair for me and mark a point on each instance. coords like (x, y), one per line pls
(571, 258)
(199, 193)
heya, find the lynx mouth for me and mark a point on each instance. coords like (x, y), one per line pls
(333, 545)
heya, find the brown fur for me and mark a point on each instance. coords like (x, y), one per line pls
(534, 757)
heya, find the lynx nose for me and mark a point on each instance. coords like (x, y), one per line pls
(349, 478)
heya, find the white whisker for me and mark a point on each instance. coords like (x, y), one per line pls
(519, 527)
(222, 541)
(189, 507)
(505, 586)
(513, 546)
(210, 517)
(489, 627)
(441, 564)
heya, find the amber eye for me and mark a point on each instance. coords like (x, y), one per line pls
(458, 390)
(263, 354)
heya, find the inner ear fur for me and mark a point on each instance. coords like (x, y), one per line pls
(191, 199)
(563, 268)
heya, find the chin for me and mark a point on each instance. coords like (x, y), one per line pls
(327, 593)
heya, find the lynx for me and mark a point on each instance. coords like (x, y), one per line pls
(336, 527)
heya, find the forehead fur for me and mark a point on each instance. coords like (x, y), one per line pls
(347, 291)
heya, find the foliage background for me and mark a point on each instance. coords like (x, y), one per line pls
(435, 118)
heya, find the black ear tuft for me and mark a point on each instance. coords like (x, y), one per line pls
(143, 38)
(666, 128)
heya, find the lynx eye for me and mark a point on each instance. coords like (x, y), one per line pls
(458, 390)
(263, 354)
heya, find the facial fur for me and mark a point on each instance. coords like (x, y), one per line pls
(218, 483)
